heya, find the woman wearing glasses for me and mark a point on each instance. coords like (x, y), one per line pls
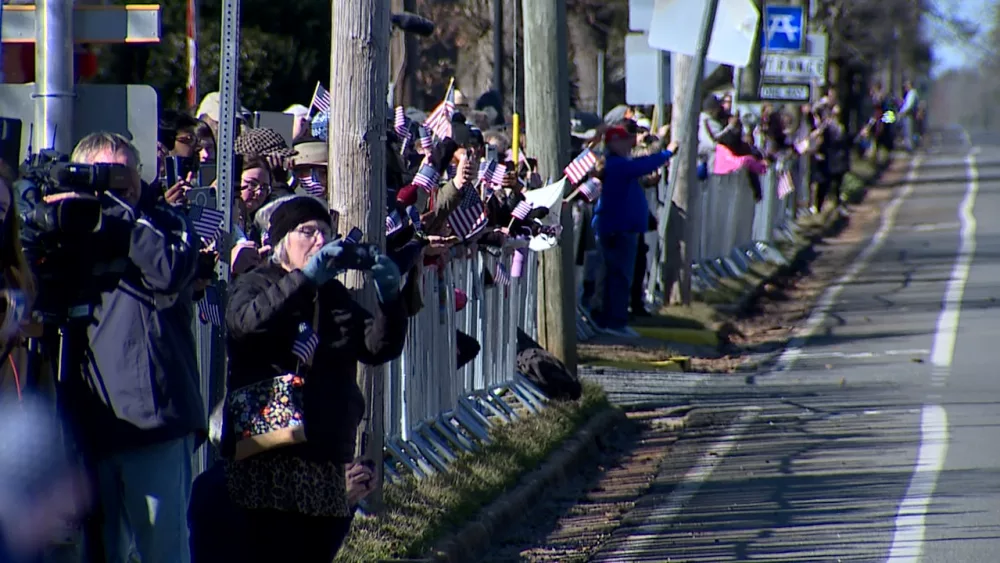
(295, 336)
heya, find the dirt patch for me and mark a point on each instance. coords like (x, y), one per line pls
(574, 520)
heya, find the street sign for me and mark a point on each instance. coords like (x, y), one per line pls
(793, 67)
(91, 24)
(785, 29)
(733, 34)
(131, 110)
(785, 92)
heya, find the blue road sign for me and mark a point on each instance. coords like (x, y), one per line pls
(784, 29)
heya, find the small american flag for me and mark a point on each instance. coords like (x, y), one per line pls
(591, 189)
(426, 139)
(521, 211)
(207, 222)
(393, 222)
(414, 216)
(401, 123)
(502, 277)
(305, 344)
(321, 100)
(785, 185)
(210, 307)
(439, 121)
(492, 173)
(427, 177)
(470, 217)
(311, 183)
(577, 170)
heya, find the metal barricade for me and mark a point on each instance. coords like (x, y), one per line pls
(433, 409)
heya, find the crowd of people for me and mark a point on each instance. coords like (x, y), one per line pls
(286, 428)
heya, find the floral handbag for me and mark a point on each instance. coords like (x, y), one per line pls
(269, 414)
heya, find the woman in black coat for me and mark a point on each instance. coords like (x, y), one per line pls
(295, 336)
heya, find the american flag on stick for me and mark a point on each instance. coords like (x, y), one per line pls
(207, 222)
(521, 211)
(426, 139)
(305, 344)
(785, 184)
(501, 277)
(470, 217)
(320, 100)
(439, 121)
(311, 184)
(210, 307)
(401, 124)
(393, 222)
(591, 189)
(577, 170)
(427, 177)
(492, 173)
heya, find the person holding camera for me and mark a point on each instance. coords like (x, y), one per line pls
(136, 402)
(295, 337)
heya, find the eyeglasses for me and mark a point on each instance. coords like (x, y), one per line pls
(255, 187)
(185, 140)
(310, 231)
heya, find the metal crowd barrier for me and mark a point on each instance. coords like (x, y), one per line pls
(434, 411)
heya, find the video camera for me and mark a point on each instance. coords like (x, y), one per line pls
(49, 173)
(58, 234)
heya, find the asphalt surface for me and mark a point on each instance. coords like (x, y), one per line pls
(875, 438)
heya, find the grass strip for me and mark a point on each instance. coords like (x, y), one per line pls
(420, 512)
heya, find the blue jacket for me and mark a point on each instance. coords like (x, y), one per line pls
(622, 207)
(140, 378)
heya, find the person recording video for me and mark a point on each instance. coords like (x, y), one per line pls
(132, 388)
(295, 337)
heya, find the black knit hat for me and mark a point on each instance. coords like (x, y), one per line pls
(294, 212)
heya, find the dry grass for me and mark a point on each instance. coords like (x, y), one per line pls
(418, 513)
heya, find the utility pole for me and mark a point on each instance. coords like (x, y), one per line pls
(546, 100)
(359, 75)
(498, 57)
(689, 74)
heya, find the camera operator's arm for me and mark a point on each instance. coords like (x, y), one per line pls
(164, 247)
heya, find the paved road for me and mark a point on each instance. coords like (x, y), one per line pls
(876, 437)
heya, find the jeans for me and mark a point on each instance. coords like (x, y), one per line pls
(618, 252)
(143, 495)
(908, 132)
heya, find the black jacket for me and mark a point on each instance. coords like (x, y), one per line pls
(140, 380)
(266, 306)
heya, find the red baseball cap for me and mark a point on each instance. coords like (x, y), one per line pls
(616, 133)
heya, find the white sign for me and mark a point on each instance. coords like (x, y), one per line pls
(640, 13)
(642, 81)
(797, 92)
(676, 24)
(793, 67)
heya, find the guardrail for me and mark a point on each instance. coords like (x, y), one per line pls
(433, 410)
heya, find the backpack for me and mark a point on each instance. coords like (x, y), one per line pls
(545, 370)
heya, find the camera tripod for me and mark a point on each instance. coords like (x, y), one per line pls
(64, 338)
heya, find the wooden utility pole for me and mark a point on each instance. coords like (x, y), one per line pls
(359, 80)
(546, 100)
(688, 77)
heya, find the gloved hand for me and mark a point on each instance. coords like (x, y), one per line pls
(385, 274)
(323, 266)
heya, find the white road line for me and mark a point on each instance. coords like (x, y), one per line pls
(908, 538)
(862, 355)
(829, 297)
(947, 325)
(658, 518)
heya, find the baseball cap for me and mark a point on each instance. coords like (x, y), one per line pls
(616, 133)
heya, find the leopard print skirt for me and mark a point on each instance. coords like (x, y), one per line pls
(285, 482)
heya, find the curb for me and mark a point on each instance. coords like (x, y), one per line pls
(470, 542)
(694, 336)
(670, 365)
